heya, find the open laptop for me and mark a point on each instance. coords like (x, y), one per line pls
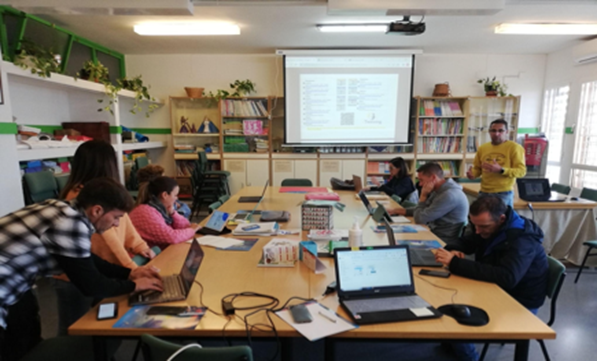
(418, 257)
(378, 213)
(254, 199)
(176, 287)
(358, 185)
(375, 285)
(537, 190)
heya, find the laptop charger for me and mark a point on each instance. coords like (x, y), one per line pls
(227, 308)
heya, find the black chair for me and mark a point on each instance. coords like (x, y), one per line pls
(560, 188)
(590, 194)
(557, 274)
(297, 182)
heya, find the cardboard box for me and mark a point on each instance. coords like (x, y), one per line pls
(280, 251)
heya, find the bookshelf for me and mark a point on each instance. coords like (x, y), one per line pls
(246, 125)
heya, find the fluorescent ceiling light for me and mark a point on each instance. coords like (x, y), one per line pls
(353, 28)
(547, 29)
(187, 28)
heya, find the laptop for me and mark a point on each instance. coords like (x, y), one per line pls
(176, 287)
(358, 185)
(418, 257)
(254, 199)
(537, 190)
(375, 285)
(378, 213)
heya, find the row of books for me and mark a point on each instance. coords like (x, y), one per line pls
(439, 126)
(261, 145)
(447, 108)
(391, 149)
(184, 168)
(244, 108)
(378, 167)
(450, 167)
(439, 145)
(185, 148)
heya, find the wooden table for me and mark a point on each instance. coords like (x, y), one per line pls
(225, 272)
(566, 225)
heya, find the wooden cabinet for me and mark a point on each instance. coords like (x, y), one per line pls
(340, 168)
(292, 168)
(246, 172)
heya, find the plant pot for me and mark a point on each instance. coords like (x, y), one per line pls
(491, 93)
(194, 92)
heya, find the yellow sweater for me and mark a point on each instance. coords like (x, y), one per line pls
(510, 156)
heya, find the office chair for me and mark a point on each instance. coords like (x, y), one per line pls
(297, 182)
(555, 280)
(590, 194)
(215, 205)
(560, 188)
(62, 348)
(40, 186)
(155, 349)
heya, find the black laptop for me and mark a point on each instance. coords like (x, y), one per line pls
(254, 199)
(537, 190)
(176, 287)
(375, 285)
(418, 257)
(378, 213)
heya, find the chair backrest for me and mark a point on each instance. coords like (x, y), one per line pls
(555, 279)
(560, 188)
(224, 198)
(215, 205)
(413, 197)
(141, 162)
(297, 182)
(155, 349)
(61, 180)
(397, 198)
(41, 186)
(590, 194)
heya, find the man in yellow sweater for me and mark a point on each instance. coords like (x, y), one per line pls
(499, 163)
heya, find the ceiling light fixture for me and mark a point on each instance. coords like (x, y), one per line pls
(187, 28)
(547, 29)
(352, 28)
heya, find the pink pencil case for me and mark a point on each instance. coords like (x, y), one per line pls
(323, 196)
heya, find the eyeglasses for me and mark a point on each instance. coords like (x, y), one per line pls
(497, 130)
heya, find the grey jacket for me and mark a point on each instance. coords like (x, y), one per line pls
(445, 211)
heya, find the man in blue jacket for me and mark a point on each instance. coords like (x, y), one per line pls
(508, 252)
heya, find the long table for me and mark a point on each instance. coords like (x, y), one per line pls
(225, 272)
(566, 225)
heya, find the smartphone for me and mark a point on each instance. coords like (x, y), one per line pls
(166, 310)
(107, 311)
(300, 314)
(426, 272)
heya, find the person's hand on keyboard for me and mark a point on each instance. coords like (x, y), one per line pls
(145, 271)
(148, 284)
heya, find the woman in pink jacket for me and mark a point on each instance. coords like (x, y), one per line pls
(155, 218)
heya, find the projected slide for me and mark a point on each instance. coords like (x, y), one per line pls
(348, 104)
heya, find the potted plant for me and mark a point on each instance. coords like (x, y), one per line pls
(493, 87)
(94, 71)
(40, 60)
(240, 88)
(136, 85)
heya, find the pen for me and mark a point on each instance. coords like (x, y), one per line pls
(328, 317)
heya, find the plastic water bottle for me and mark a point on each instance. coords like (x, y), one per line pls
(355, 234)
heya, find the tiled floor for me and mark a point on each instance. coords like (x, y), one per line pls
(575, 325)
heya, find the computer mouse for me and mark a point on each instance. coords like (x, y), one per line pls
(573, 198)
(461, 311)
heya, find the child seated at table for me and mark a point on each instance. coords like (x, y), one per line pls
(155, 218)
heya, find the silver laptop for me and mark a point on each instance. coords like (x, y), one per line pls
(254, 199)
(358, 185)
(418, 257)
(176, 287)
(376, 213)
(375, 285)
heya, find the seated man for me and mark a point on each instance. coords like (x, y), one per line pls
(443, 206)
(508, 252)
(52, 237)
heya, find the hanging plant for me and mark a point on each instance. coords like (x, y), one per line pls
(136, 85)
(240, 88)
(94, 72)
(41, 61)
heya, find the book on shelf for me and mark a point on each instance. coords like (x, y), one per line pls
(448, 108)
(440, 126)
(450, 167)
(439, 145)
(252, 127)
(184, 168)
(243, 108)
(184, 148)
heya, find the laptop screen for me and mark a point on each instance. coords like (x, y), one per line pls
(374, 270)
(191, 264)
(389, 233)
(533, 189)
(366, 202)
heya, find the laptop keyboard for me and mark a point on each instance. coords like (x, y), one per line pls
(172, 290)
(385, 304)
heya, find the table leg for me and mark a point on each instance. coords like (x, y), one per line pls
(100, 349)
(521, 351)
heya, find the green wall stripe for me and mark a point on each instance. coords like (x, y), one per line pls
(8, 128)
(152, 130)
(569, 130)
(115, 130)
(528, 130)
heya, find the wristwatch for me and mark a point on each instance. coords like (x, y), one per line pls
(502, 171)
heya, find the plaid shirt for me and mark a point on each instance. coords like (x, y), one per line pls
(28, 239)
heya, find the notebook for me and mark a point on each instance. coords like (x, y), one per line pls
(537, 190)
(254, 199)
(418, 257)
(176, 287)
(378, 213)
(375, 285)
(358, 185)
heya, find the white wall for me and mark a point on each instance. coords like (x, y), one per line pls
(169, 74)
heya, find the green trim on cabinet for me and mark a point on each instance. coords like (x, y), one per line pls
(115, 130)
(8, 128)
(528, 130)
(569, 130)
(152, 130)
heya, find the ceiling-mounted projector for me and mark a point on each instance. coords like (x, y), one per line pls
(406, 27)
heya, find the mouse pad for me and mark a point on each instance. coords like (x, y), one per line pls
(478, 316)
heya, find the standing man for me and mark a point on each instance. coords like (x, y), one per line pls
(499, 163)
(442, 206)
(53, 237)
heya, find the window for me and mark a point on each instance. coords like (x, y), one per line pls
(555, 104)
(584, 167)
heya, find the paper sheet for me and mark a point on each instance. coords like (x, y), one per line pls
(400, 219)
(218, 242)
(321, 326)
